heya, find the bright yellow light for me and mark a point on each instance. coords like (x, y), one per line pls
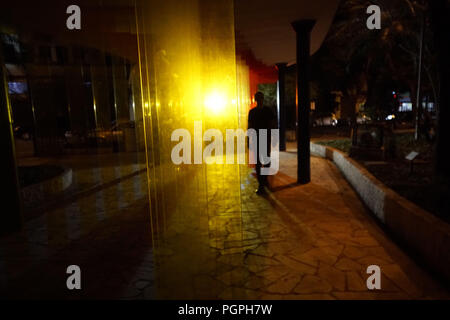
(215, 102)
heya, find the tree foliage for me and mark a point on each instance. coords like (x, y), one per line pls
(367, 65)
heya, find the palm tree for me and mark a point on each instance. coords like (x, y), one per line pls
(391, 53)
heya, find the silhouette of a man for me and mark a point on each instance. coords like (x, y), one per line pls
(261, 117)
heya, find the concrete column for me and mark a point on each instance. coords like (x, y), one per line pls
(120, 83)
(303, 30)
(138, 108)
(10, 215)
(76, 98)
(281, 98)
(45, 96)
(100, 90)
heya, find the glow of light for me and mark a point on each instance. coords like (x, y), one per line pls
(95, 111)
(390, 117)
(215, 102)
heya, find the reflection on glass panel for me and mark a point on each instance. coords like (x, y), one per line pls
(75, 101)
(94, 111)
(190, 75)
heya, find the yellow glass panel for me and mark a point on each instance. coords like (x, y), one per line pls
(190, 72)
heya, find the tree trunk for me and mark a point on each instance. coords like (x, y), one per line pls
(412, 95)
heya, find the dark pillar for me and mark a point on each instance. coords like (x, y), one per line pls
(10, 215)
(78, 101)
(120, 83)
(419, 84)
(101, 90)
(441, 23)
(303, 30)
(281, 98)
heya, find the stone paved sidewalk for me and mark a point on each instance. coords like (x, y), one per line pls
(299, 242)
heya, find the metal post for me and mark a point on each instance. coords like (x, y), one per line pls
(10, 215)
(419, 82)
(281, 98)
(303, 30)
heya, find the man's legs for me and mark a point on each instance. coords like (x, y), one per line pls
(262, 179)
